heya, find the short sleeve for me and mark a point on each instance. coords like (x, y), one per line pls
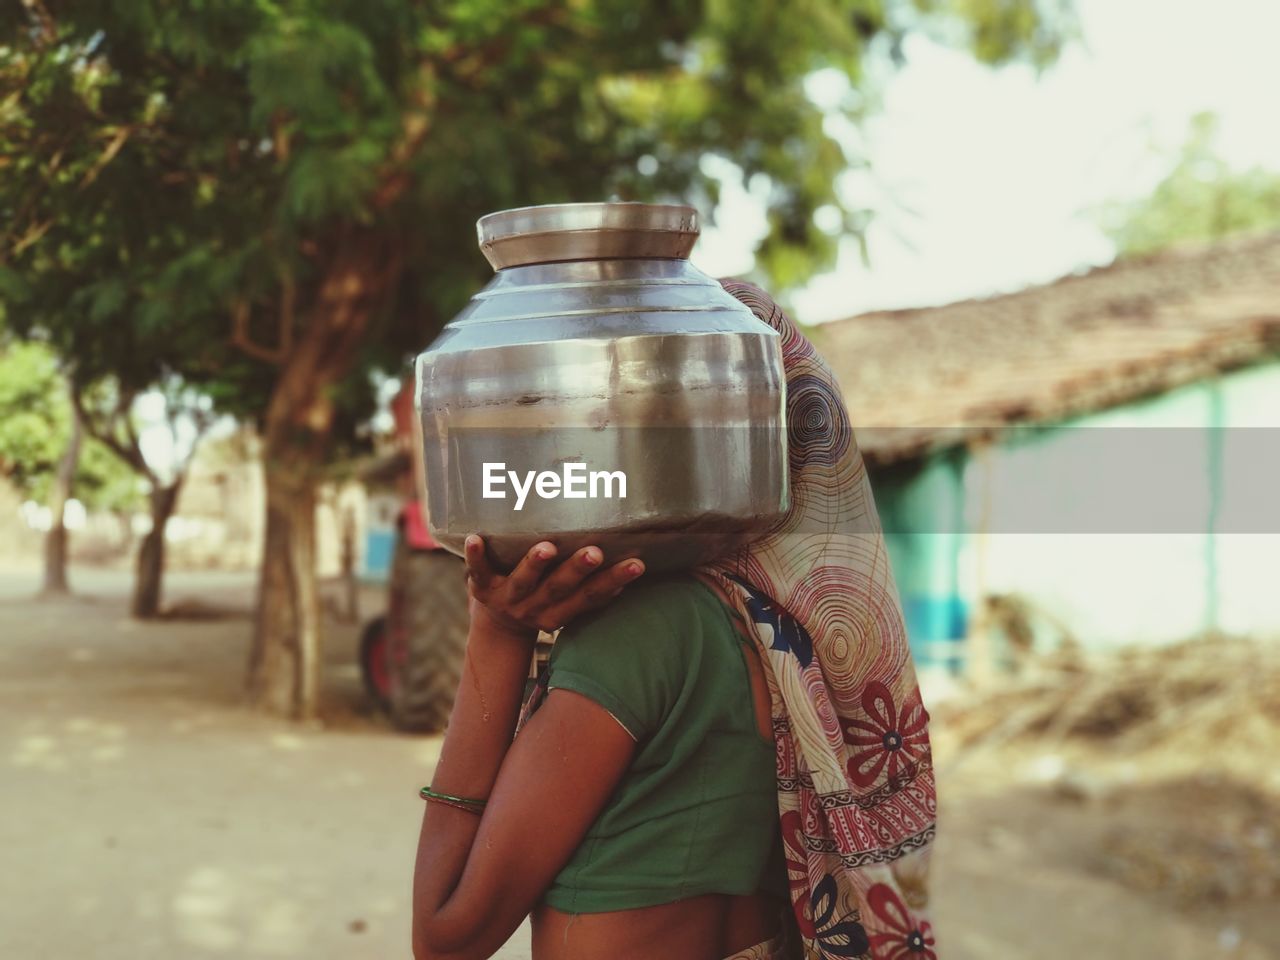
(627, 657)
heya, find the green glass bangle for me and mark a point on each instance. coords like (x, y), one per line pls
(428, 794)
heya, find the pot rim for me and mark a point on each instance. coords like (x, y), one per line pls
(559, 232)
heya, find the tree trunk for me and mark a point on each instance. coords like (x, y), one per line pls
(125, 519)
(284, 661)
(55, 541)
(148, 582)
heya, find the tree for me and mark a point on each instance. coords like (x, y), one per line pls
(107, 413)
(43, 453)
(106, 485)
(296, 184)
(83, 291)
(1201, 198)
(55, 541)
(33, 420)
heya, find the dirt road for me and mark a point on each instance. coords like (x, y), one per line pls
(146, 815)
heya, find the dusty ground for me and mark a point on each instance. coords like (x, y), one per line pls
(144, 813)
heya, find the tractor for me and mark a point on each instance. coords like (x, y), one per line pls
(411, 657)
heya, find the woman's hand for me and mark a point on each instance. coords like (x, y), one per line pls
(540, 594)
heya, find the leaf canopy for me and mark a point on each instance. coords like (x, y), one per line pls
(169, 166)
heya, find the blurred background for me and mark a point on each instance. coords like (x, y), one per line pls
(1038, 240)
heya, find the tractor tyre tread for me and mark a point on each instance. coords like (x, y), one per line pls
(436, 620)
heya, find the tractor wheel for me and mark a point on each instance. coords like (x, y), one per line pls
(428, 620)
(373, 663)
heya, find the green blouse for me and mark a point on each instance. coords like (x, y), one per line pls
(697, 811)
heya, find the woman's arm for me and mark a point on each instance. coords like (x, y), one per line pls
(476, 878)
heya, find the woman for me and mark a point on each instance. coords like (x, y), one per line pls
(642, 811)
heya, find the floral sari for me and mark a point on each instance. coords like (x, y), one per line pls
(855, 774)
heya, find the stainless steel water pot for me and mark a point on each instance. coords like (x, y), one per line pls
(603, 390)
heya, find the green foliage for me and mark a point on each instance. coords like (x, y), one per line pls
(1201, 199)
(35, 425)
(34, 414)
(103, 482)
(167, 165)
(1000, 30)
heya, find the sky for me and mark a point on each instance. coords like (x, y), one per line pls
(983, 179)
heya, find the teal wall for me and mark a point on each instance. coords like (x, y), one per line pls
(922, 506)
(1208, 570)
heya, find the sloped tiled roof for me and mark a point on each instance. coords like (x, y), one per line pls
(922, 379)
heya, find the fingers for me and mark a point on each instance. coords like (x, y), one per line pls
(569, 575)
(596, 591)
(479, 572)
(524, 579)
(609, 583)
(541, 591)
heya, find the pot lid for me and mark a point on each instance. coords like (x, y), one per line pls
(587, 231)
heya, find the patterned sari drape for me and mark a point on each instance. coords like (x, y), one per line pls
(855, 774)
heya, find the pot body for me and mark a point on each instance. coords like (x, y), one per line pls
(628, 402)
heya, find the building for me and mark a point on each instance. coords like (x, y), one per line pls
(1103, 447)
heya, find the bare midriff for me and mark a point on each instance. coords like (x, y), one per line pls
(708, 927)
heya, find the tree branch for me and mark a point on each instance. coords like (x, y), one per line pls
(42, 20)
(34, 234)
(241, 338)
(108, 154)
(416, 124)
(130, 451)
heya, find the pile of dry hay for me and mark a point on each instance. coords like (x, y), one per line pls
(1209, 707)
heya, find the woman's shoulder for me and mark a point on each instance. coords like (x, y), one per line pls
(635, 656)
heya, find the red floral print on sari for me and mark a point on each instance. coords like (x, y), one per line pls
(906, 937)
(891, 741)
(855, 786)
(797, 872)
